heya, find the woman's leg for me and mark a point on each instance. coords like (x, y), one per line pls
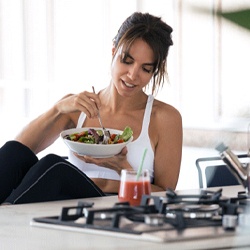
(15, 161)
(53, 178)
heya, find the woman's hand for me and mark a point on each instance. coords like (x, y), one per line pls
(117, 162)
(85, 101)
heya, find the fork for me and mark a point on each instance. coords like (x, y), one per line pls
(106, 133)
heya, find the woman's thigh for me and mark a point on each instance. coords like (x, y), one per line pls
(53, 178)
(15, 161)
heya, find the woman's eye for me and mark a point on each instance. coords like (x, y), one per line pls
(127, 62)
(147, 70)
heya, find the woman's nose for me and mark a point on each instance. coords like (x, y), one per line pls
(133, 72)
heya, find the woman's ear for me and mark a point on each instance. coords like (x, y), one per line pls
(113, 50)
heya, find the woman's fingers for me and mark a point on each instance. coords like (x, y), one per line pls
(115, 162)
(86, 102)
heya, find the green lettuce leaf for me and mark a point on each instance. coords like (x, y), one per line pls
(126, 134)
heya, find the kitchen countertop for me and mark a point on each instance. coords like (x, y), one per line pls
(17, 233)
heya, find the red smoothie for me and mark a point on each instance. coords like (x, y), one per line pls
(132, 191)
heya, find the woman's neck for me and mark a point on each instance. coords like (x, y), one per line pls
(111, 99)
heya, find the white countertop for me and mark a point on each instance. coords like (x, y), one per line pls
(17, 233)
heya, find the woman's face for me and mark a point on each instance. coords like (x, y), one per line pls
(132, 73)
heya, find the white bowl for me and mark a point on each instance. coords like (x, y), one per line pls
(94, 150)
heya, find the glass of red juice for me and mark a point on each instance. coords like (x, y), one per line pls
(132, 187)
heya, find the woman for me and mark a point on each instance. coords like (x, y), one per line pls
(139, 52)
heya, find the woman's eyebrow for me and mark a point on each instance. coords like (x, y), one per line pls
(148, 64)
(129, 56)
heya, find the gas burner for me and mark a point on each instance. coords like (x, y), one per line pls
(165, 217)
(193, 211)
(204, 197)
(154, 219)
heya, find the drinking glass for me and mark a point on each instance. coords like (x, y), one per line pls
(132, 187)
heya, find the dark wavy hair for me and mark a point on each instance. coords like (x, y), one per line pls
(152, 30)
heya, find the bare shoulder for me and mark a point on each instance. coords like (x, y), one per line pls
(166, 114)
(165, 117)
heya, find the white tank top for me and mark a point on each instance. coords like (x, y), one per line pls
(135, 151)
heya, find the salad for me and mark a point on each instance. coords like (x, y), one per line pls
(92, 136)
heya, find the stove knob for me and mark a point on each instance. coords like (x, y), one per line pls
(229, 222)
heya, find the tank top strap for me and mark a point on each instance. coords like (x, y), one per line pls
(81, 120)
(147, 114)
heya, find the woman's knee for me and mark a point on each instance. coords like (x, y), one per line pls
(52, 158)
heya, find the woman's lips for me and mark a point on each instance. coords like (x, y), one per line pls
(128, 85)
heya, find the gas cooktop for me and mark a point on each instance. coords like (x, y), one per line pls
(166, 218)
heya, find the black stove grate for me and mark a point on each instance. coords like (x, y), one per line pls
(155, 213)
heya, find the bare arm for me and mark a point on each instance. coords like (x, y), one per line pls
(45, 129)
(168, 150)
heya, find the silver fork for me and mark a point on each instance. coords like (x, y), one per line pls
(106, 133)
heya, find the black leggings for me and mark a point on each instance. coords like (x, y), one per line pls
(25, 179)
